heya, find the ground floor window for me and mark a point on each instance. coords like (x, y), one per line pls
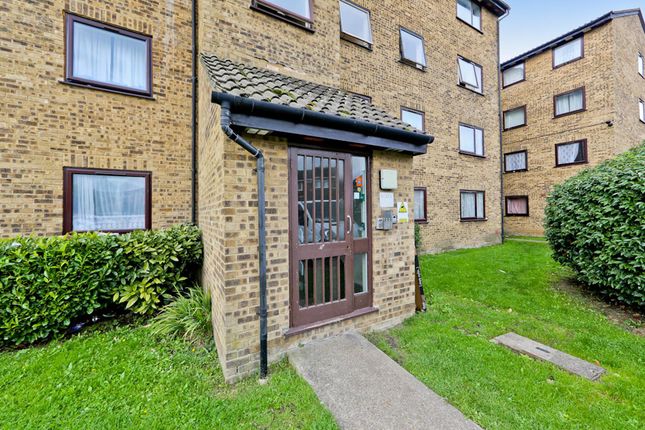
(420, 205)
(472, 205)
(515, 161)
(517, 206)
(106, 200)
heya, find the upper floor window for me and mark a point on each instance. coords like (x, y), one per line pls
(355, 24)
(470, 75)
(641, 110)
(471, 140)
(298, 12)
(569, 52)
(517, 206)
(569, 102)
(513, 75)
(515, 118)
(470, 12)
(106, 200)
(571, 153)
(420, 204)
(104, 56)
(515, 162)
(472, 205)
(412, 49)
(413, 117)
(641, 65)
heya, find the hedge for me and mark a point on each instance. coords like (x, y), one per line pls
(48, 283)
(595, 224)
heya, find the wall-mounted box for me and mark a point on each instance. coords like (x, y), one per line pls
(389, 179)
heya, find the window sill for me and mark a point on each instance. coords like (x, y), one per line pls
(420, 221)
(107, 90)
(517, 215)
(293, 331)
(474, 220)
(356, 41)
(470, 154)
(286, 18)
(571, 164)
(471, 90)
(419, 67)
(516, 171)
(569, 113)
(470, 25)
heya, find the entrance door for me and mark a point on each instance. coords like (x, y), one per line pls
(328, 224)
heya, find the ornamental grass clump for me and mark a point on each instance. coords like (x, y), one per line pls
(595, 224)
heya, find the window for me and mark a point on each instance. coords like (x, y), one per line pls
(568, 103)
(420, 204)
(412, 49)
(471, 140)
(103, 56)
(571, 153)
(472, 205)
(470, 75)
(355, 24)
(641, 65)
(470, 12)
(513, 75)
(363, 97)
(515, 162)
(106, 200)
(297, 12)
(569, 52)
(514, 118)
(641, 110)
(413, 117)
(517, 206)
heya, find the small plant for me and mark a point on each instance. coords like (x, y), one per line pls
(188, 317)
(417, 236)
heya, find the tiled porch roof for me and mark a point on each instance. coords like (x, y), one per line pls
(268, 86)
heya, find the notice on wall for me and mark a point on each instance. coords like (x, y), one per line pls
(403, 214)
(386, 200)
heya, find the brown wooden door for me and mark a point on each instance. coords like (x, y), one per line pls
(321, 239)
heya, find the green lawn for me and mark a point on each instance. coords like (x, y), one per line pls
(127, 378)
(482, 293)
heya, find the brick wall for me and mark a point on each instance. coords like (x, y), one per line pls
(46, 124)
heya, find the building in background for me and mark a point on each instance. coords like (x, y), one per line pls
(567, 105)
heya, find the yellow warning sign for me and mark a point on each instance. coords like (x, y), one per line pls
(403, 212)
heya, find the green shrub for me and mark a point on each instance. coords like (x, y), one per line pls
(46, 283)
(187, 317)
(595, 223)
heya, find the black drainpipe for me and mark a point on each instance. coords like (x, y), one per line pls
(501, 124)
(226, 127)
(193, 120)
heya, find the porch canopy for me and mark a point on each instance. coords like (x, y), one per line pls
(263, 102)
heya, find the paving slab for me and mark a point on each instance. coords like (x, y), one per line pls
(534, 349)
(365, 389)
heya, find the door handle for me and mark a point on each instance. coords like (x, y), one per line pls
(349, 218)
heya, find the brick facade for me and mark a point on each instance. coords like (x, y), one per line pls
(47, 124)
(613, 87)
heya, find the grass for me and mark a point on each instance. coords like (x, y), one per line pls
(482, 293)
(128, 378)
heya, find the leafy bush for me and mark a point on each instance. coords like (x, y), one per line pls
(595, 223)
(46, 283)
(188, 317)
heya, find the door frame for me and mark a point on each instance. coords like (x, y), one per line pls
(361, 302)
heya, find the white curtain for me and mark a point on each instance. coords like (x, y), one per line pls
(479, 142)
(514, 118)
(108, 57)
(641, 64)
(413, 48)
(513, 74)
(570, 153)
(517, 206)
(107, 203)
(466, 138)
(480, 205)
(419, 204)
(567, 52)
(468, 205)
(515, 161)
(355, 21)
(641, 110)
(569, 102)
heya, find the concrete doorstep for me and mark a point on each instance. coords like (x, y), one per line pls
(365, 389)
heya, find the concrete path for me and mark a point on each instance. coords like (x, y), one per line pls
(365, 389)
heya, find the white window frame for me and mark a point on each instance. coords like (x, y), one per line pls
(471, 21)
(641, 65)
(641, 109)
(476, 85)
(347, 35)
(404, 59)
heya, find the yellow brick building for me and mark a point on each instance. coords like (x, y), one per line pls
(568, 105)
